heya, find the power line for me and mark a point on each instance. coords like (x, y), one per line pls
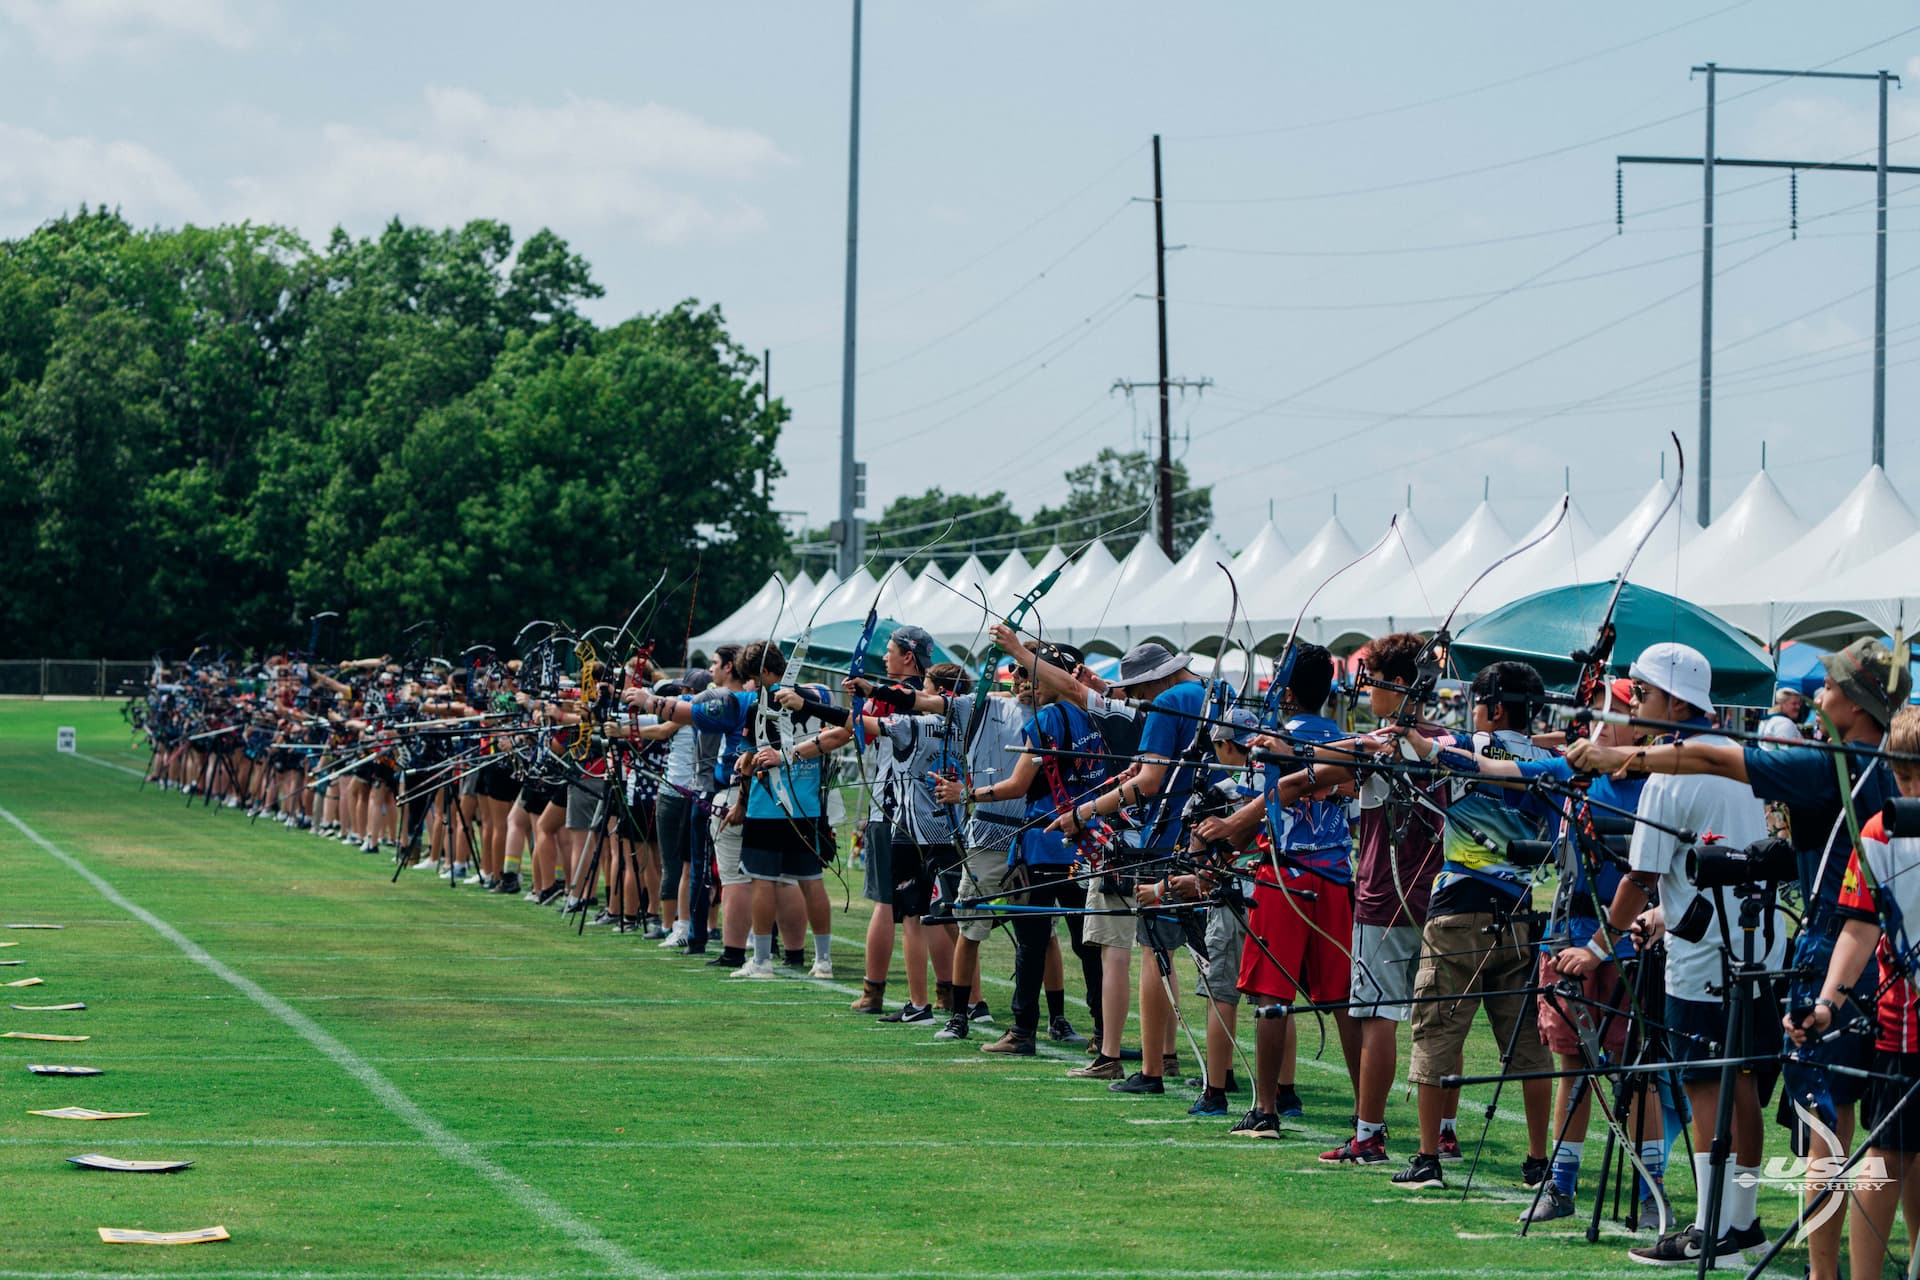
(1457, 94)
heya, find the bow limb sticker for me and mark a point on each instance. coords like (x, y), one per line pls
(41, 1035)
(206, 1235)
(54, 1069)
(86, 1113)
(93, 1160)
(1820, 1173)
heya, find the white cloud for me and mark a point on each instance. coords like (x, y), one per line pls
(582, 163)
(653, 171)
(74, 30)
(42, 176)
(1835, 124)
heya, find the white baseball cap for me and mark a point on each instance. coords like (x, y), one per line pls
(1677, 670)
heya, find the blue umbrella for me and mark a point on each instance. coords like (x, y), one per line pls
(1799, 667)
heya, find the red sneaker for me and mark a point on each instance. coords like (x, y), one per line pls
(1355, 1151)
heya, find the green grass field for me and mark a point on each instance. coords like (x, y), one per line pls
(405, 1080)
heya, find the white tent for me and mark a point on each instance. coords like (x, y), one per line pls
(1163, 608)
(1101, 603)
(1009, 578)
(1428, 590)
(1868, 520)
(921, 595)
(955, 617)
(1093, 567)
(1674, 531)
(1271, 606)
(1051, 560)
(1265, 556)
(1884, 590)
(752, 620)
(1756, 528)
(1351, 602)
(821, 590)
(850, 601)
(1562, 558)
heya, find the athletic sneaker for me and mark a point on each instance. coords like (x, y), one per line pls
(653, 928)
(1198, 1082)
(1682, 1248)
(1358, 1151)
(603, 916)
(1012, 1042)
(821, 968)
(1535, 1170)
(1209, 1104)
(1741, 1239)
(1450, 1146)
(1059, 1030)
(1097, 1070)
(956, 1029)
(1422, 1171)
(1289, 1106)
(548, 894)
(722, 961)
(1648, 1217)
(1138, 1082)
(676, 937)
(980, 1013)
(754, 969)
(509, 882)
(1256, 1124)
(1553, 1203)
(909, 1012)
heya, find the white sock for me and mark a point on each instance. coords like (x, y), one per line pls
(1362, 1130)
(823, 948)
(762, 948)
(1743, 1199)
(1702, 1183)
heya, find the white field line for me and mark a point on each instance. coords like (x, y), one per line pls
(658, 1144)
(108, 764)
(449, 1144)
(759, 1273)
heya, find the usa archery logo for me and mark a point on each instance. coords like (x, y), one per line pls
(1819, 1173)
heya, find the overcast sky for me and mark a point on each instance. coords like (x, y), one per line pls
(1355, 189)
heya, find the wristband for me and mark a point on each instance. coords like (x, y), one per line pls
(1598, 950)
(1834, 1005)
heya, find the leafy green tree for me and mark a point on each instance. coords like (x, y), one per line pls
(1106, 492)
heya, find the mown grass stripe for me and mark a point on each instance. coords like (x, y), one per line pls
(444, 1140)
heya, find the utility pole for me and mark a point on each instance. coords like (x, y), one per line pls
(846, 530)
(1163, 484)
(1163, 468)
(766, 404)
(1708, 162)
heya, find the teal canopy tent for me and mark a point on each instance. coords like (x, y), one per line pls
(1545, 628)
(831, 648)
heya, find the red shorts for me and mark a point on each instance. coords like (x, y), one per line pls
(1315, 953)
(1603, 988)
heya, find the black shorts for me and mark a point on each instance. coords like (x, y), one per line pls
(917, 869)
(786, 849)
(496, 782)
(536, 796)
(639, 822)
(1902, 1133)
(378, 775)
(1697, 1031)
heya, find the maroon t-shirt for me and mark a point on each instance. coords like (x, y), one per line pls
(1397, 832)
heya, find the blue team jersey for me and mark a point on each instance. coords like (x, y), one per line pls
(791, 791)
(1312, 833)
(1058, 726)
(1168, 731)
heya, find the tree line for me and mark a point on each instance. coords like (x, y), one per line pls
(213, 433)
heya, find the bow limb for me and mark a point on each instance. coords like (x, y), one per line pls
(1595, 658)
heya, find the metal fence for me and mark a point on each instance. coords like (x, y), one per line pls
(67, 678)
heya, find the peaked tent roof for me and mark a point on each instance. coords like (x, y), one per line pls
(1885, 590)
(1050, 560)
(754, 618)
(1265, 556)
(1358, 593)
(1672, 532)
(947, 613)
(821, 589)
(851, 599)
(1271, 605)
(921, 595)
(1868, 520)
(1758, 526)
(1009, 578)
(1166, 605)
(1430, 589)
(1556, 562)
(1096, 604)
